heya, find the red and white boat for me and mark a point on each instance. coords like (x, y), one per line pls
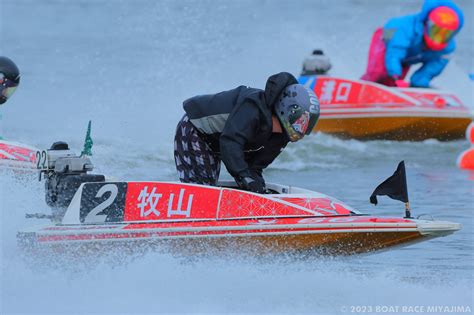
(367, 110)
(192, 218)
(15, 155)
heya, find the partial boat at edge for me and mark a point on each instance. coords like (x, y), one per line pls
(365, 110)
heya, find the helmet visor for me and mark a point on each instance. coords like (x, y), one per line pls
(437, 34)
(301, 126)
(7, 87)
(293, 135)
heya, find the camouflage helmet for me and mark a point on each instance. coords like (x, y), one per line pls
(297, 110)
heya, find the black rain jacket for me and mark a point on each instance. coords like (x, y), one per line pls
(237, 125)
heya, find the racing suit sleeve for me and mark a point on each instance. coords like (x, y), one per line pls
(241, 126)
(397, 34)
(430, 69)
(396, 51)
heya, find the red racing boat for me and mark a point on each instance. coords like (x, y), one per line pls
(365, 110)
(14, 155)
(192, 218)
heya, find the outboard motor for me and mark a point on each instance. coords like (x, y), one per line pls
(317, 63)
(64, 172)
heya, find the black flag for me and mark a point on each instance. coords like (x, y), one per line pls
(395, 186)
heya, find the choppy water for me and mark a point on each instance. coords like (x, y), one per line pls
(127, 65)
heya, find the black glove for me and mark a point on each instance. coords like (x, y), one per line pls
(257, 175)
(251, 184)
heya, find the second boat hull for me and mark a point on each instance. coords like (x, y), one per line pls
(395, 128)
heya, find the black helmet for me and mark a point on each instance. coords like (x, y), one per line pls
(297, 110)
(9, 78)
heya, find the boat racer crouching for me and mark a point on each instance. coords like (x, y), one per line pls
(246, 128)
(426, 37)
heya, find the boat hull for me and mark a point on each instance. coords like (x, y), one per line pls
(356, 235)
(192, 219)
(395, 128)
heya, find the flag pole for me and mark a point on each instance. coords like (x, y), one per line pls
(88, 141)
(407, 211)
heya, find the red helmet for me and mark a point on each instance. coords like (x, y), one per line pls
(442, 24)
